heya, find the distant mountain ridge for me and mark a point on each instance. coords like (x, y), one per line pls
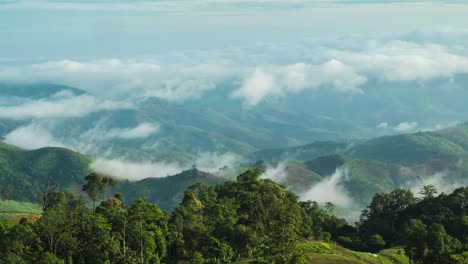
(35, 90)
(375, 165)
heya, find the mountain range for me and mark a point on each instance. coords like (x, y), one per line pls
(366, 166)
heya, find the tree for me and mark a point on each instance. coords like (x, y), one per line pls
(329, 207)
(428, 191)
(416, 242)
(95, 184)
(376, 243)
(48, 192)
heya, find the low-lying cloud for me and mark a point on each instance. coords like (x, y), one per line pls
(123, 168)
(406, 126)
(102, 133)
(133, 171)
(440, 180)
(258, 73)
(331, 189)
(173, 81)
(276, 173)
(405, 61)
(32, 136)
(403, 127)
(277, 81)
(60, 105)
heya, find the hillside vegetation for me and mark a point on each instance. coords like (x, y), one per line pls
(23, 172)
(250, 220)
(377, 165)
(14, 211)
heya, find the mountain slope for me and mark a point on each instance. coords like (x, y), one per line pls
(22, 172)
(35, 90)
(325, 253)
(404, 149)
(167, 192)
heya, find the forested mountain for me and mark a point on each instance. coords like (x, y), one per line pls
(178, 131)
(375, 165)
(250, 220)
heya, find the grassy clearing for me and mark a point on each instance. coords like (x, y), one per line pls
(14, 211)
(325, 253)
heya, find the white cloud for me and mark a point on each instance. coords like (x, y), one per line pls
(331, 189)
(258, 73)
(438, 180)
(101, 133)
(405, 61)
(122, 168)
(125, 169)
(382, 125)
(277, 81)
(212, 162)
(406, 126)
(32, 136)
(174, 81)
(60, 105)
(141, 131)
(276, 173)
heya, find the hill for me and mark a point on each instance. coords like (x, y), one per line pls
(23, 172)
(403, 149)
(167, 192)
(325, 253)
(35, 90)
(13, 211)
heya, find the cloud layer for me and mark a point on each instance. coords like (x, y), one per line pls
(256, 73)
(331, 189)
(279, 81)
(32, 136)
(60, 105)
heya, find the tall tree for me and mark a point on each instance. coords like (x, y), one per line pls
(95, 184)
(428, 191)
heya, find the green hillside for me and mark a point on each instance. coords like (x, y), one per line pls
(409, 149)
(300, 153)
(23, 172)
(405, 149)
(325, 253)
(166, 192)
(14, 211)
(35, 90)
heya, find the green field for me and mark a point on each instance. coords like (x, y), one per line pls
(325, 253)
(14, 211)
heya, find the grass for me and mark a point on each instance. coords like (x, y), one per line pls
(325, 253)
(13, 211)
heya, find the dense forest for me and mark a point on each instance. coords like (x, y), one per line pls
(251, 220)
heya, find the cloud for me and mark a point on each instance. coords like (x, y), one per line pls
(32, 136)
(101, 133)
(173, 81)
(331, 189)
(277, 81)
(212, 162)
(125, 169)
(277, 173)
(141, 131)
(60, 105)
(258, 72)
(122, 168)
(406, 126)
(382, 125)
(440, 180)
(404, 61)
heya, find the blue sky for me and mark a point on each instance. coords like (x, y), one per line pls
(181, 49)
(96, 29)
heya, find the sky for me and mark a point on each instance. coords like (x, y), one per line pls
(86, 30)
(180, 50)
